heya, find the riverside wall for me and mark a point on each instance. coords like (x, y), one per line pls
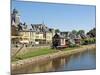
(43, 58)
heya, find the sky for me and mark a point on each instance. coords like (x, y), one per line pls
(65, 17)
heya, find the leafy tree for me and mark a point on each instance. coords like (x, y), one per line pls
(57, 31)
(92, 32)
(74, 32)
(80, 32)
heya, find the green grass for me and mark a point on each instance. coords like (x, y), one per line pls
(34, 53)
(38, 52)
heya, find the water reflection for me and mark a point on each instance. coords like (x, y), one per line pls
(78, 61)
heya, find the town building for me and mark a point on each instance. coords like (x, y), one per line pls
(59, 41)
(29, 34)
(15, 17)
(36, 36)
(73, 38)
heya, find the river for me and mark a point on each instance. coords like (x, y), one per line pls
(80, 61)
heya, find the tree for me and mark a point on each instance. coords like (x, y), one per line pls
(81, 32)
(92, 32)
(57, 31)
(74, 32)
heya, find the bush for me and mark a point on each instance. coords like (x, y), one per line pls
(73, 45)
(88, 41)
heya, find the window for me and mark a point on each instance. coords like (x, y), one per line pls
(62, 41)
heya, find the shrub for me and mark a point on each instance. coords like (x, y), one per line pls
(88, 41)
(73, 45)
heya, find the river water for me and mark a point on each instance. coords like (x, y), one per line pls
(80, 61)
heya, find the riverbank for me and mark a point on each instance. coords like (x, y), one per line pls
(43, 58)
(27, 49)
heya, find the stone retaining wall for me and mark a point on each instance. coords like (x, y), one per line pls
(43, 58)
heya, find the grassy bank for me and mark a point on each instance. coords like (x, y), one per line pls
(32, 58)
(38, 52)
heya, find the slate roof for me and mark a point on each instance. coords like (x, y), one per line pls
(58, 35)
(34, 28)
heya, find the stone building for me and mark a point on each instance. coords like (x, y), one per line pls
(59, 41)
(30, 34)
(37, 35)
(73, 39)
(15, 17)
